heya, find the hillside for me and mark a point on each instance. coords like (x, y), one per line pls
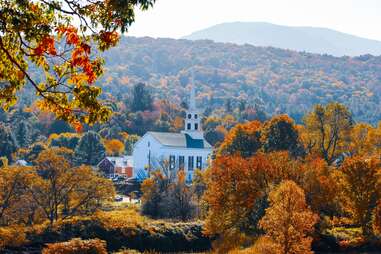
(308, 39)
(279, 81)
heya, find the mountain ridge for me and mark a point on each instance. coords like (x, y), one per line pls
(300, 38)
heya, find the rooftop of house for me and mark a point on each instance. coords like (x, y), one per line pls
(122, 161)
(180, 140)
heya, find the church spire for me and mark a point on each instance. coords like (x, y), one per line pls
(192, 100)
(193, 117)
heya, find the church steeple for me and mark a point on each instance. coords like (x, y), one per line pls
(193, 118)
(192, 101)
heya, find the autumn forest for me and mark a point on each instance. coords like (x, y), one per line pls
(295, 164)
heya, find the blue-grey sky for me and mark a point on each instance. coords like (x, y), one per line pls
(177, 18)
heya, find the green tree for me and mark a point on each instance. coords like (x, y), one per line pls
(8, 144)
(89, 150)
(129, 143)
(280, 134)
(29, 34)
(22, 134)
(142, 99)
(59, 126)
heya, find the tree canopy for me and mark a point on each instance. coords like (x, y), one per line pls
(49, 45)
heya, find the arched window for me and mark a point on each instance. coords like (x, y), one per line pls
(189, 116)
(188, 126)
(195, 116)
(196, 126)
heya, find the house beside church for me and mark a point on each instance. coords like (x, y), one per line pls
(187, 150)
(111, 167)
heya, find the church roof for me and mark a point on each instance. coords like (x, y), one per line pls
(179, 140)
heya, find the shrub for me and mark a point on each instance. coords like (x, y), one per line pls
(127, 229)
(77, 246)
(12, 236)
(264, 245)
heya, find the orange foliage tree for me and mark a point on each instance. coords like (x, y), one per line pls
(312, 174)
(243, 139)
(114, 147)
(237, 189)
(235, 186)
(288, 220)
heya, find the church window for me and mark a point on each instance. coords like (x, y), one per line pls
(195, 116)
(181, 162)
(172, 161)
(188, 126)
(199, 162)
(189, 116)
(190, 163)
(196, 126)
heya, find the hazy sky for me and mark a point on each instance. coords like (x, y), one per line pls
(176, 18)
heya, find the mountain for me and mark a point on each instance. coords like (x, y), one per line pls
(308, 39)
(277, 80)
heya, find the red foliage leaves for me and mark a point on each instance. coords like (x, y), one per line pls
(108, 39)
(71, 34)
(46, 45)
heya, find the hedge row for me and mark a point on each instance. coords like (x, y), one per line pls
(158, 236)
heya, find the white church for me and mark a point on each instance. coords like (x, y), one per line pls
(187, 150)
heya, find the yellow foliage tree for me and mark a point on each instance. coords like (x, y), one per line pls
(61, 191)
(15, 201)
(288, 220)
(361, 142)
(328, 129)
(359, 179)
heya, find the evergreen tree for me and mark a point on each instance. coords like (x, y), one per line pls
(68, 140)
(89, 150)
(35, 151)
(228, 106)
(22, 134)
(8, 144)
(60, 126)
(142, 99)
(3, 116)
(129, 143)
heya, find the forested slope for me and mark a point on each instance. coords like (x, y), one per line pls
(279, 81)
